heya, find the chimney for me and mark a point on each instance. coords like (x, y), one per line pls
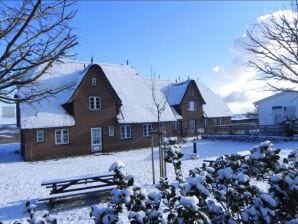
(126, 62)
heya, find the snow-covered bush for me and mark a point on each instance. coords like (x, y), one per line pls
(222, 193)
(36, 217)
(103, 215)
(284, 188)
(121, 178)
(173, 155)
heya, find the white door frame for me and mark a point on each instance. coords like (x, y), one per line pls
(98, 146)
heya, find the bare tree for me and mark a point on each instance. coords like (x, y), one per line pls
(33, 34)
(273, 45)
(160, 103)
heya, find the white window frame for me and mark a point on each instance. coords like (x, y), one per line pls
(206, 122)
(93, 81)
(163, 127)
(96, 140)
(62, 140)
(125, 132)
(214, 121)
(147, 130)
(111, 131)
(192, 106)
(175, 125)
(192, 124)
(92, 103)
(40, 136)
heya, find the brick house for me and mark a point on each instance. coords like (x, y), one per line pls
(200, 108)
(109, 108)
(188, 102)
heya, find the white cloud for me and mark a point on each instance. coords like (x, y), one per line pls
(217, 69)
(238, 84)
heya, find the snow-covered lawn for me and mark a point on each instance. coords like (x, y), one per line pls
(20, 181)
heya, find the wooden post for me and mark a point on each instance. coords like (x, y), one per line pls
(160, 155)
(163, 160)
(152, 154)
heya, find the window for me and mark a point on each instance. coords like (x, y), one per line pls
(147, 129)
(39, 136)
(175, 125)
(94, 103)
(191, 106)
(206, 122)
(125, 132)
(163, 127)
(192, 124)
(192, 127)
(214, 121)
(111, 131)
(61, 136)
(93, 81)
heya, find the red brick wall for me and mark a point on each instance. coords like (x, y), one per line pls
(191, 115)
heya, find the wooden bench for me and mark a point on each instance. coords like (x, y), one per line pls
(78, 185)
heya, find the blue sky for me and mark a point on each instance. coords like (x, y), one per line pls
(176, 39)
(179, 38)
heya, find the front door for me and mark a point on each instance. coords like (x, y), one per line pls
(96, 140)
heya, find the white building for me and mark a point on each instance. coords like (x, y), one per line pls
(7, 114)
(277, 108)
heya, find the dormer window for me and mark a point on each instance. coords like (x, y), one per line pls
(93, 81)
(94, 103)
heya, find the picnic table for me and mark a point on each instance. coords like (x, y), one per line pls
(79, 185)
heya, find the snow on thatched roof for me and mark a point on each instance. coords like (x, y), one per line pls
(215, 106)
(135, 93)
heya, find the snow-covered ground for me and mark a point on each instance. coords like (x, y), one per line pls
(20, 181)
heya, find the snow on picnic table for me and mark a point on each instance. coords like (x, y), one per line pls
(20, 181)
